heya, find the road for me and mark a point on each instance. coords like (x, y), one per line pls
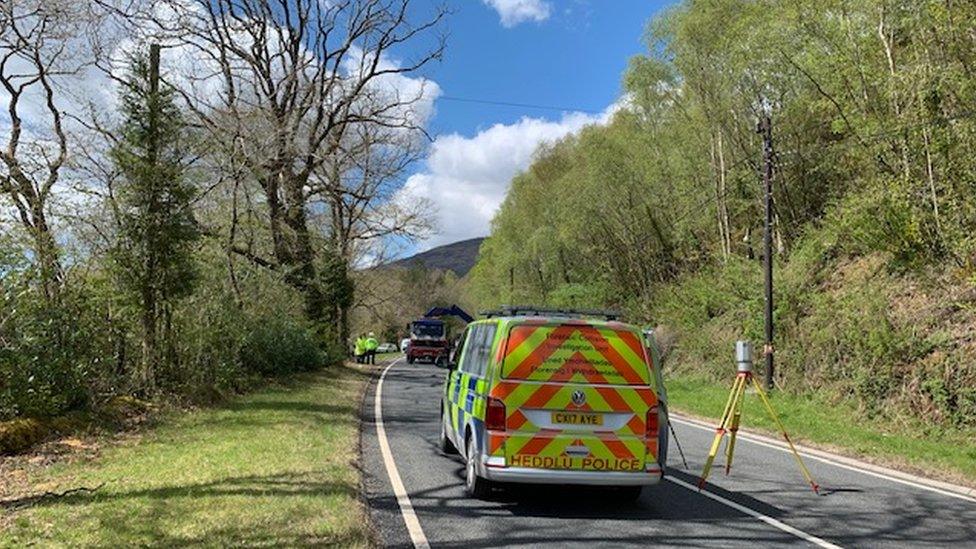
(763, 502)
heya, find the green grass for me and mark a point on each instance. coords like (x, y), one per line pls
(273, 468)
(948, 455)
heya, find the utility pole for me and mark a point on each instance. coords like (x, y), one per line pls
(766, 129)
(153, 99)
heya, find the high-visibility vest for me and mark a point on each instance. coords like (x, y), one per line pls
(360, 346)
(371, 344)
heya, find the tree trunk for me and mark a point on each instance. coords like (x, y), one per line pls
(47, 257)
(147, 373)
(292, 241)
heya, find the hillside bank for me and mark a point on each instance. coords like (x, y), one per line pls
(659, 211)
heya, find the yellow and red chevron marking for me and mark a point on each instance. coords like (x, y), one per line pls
(515, 420)
(543, 364)
(637, 426)
(575, 351)
(519, 395)
(495, 442)
(536, 444)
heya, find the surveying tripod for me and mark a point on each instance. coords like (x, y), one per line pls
(733, 414)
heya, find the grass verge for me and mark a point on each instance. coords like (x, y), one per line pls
(273, 468)
(946, 455)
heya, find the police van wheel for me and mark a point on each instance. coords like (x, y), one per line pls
(444, 444)
(474, 486)
(409, 360)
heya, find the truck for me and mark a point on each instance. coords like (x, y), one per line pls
(428, 341)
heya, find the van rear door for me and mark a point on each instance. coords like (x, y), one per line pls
(577, 396)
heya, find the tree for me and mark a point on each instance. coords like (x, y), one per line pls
(35, 49)
(359, 188)
(282, 83)
(157, 230)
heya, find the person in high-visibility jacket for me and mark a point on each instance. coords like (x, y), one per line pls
(360, 351)
(371, 345)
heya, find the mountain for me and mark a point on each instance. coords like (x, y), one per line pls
(459, 257)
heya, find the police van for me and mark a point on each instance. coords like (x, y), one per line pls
(555, 397)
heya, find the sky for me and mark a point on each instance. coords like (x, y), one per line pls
(566, 54)
(569, 54)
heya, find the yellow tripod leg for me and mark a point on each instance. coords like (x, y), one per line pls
(720, 432)
(775, 418)
(734, 428)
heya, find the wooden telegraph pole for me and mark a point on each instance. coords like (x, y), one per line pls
(766, 129)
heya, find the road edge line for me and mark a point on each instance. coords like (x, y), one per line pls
(374, 531)
(756, 514)
(844, 462)
(410, 518)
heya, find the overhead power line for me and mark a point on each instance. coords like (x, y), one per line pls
(513, 104)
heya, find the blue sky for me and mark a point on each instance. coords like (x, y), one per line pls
(572, 59)
(562, 53)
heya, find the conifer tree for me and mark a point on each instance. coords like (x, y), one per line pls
(156, 228)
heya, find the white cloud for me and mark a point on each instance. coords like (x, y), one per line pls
(90, 92)
(466, 178)
(513, 12)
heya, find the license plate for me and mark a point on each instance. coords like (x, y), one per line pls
(577, 418)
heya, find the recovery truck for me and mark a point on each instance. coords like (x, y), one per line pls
(429, 338)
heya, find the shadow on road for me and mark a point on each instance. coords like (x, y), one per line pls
(665, 501)
(852, 512)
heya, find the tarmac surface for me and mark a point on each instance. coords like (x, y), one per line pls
(764, 502)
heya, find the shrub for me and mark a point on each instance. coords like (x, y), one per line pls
(48, 355)
(581, 296)
(279, 346)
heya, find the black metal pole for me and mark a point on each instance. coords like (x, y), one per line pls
(765, 127)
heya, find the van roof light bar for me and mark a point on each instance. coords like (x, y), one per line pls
(527, 310)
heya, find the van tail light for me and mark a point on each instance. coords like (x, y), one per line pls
(652, 425)
(495, 415)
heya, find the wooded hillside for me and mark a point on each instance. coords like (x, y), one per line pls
(659, 212)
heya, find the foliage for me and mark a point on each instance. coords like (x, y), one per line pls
(659, 211)
(207, 233)
(392, 296)
(277, 347)
(46, 350)
(156, 228)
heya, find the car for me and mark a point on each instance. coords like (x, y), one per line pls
(403, 344)
(386, 348)
(555, 397)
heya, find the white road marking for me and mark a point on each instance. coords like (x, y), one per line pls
(420, 541)
(406, 508)
(837, 461)
(767, 519)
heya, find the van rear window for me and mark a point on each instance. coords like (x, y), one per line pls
(575, 352)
